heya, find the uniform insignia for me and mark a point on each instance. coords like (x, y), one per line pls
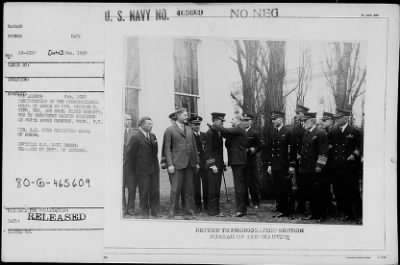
(210, 162)
(350, 136)
(322, 160)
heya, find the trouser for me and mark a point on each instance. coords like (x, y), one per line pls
(345, 181)
(201, 188)
(315, 187)
(240, 187)
(132, 182)
(303, 185)
(252, 184)
(149, 190)
(282, 187)
(182, 194)
(123, 191)
(214, 191)
(182, 179)
(300, 198)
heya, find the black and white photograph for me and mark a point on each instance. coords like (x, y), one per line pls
(207, 133)
(249, 130)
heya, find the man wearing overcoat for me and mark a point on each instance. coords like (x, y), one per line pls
(214, 162)
(129, 179)
(253, 146)
(313, 159)
(200, 178)
(281, 162)
(346, 159)
(144, 159)
(182, 161)
(236, 143)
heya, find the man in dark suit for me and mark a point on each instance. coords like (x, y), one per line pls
(253, 146)
(236, 143)
(200, 178)
(346, 159)
(281, 162)
(327, 125)
(129, 179)
(144, 160)
(298, 133)
(313, 159)
(182, 161)
(214, 161)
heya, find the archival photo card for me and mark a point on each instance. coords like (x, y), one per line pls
(200, 133)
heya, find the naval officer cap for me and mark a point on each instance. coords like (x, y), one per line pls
(218, 116)
(342, 113)
(301, 108)
(196, 119)
(309, 115)
(247, 116)
(277, 114)
(327, 116)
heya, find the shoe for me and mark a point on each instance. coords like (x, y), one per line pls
(347, 218)
(155, 215)
(131, 212)
(239, 214)
(279, 215)
(291, 217)
(309, 217)
(220, 215)
(191, 212)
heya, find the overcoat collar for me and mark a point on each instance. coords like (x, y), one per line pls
(179, 130)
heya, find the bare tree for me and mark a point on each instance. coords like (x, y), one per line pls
(344, 74)
(261, 67)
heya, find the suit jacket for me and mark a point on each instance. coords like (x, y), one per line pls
(200, 141)
(143, 154)
(236, 143)
(214, 149)
(127, 139)
(297, 134)
(279, 152)
(314, 150)
(253, 140)
(180, 147)
(344, 144)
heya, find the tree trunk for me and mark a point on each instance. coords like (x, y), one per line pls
(343, 64)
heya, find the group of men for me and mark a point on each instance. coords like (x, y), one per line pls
(313, 165)
(195, 162)
(316, 166)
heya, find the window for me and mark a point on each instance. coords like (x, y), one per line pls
(132, 81)
(186, 80)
